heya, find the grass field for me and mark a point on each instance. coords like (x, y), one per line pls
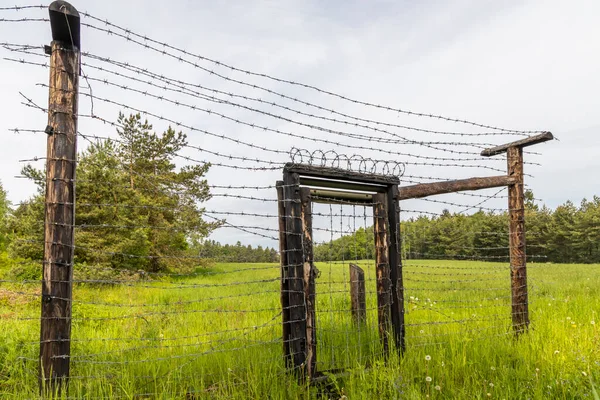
(217, 334)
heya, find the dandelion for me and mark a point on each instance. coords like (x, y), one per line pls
(574, 325)
(593, 322)
(427, 358)
(443, 365)
(568, 318)
(491, 384)
(421, 331)
(493, 368)
(428, 379)
(556, 351)
(537, 370)
(489, 395)
(438, 388)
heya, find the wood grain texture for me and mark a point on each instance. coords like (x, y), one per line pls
(395, 265)
(358, 294)
(380, 226)
(518, 259)
(295, 269)
(285, 304)
(530, 141)
(431, 189)
(55, 333)
(309, 276)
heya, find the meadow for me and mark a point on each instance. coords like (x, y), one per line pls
(217, 334)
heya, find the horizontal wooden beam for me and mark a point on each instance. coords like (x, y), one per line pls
(334, 196)
(544, 137)
(431, 189)
(340, 174)
(343, 185)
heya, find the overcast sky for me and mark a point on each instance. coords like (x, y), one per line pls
(521, 65)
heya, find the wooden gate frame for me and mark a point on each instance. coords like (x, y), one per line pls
(301, 185)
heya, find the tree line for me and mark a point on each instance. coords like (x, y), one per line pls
(567, 234)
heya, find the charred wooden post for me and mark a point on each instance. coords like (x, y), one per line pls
(518, 258)
(309, 277)
(395, 265)
(384, 290)
(358, 294)
(55, 331)
(285, 303)
(295, 273)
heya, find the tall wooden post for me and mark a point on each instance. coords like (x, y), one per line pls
(309, 276)
(384, 290)
(518, 268)
(295, 272)
(396, 281)
(55, 335)
(285, 303)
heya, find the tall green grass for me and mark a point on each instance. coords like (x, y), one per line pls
(218, 335)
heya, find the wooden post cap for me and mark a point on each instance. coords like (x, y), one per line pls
(65, 23)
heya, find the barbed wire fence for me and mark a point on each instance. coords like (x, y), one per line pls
(154, 308)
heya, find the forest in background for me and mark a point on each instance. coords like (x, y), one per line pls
(567, 234)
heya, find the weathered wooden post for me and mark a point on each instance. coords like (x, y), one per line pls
(285, 302)
(294, 253)
(55, 335)
(358, 294)
(516, 213)
(516, 240)
(309, 276)
(395, 263)
(382, 267)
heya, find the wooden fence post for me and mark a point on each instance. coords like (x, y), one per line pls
(395, 265)
(358, 295)
(309, 276)
(295, 272)
(55, 332)
(518, 259)
(382, 239)
(285, 292)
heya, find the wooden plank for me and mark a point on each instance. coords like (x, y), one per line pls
(295, 267)
(530, 141)
(310, 273)
(518, 259)
(323, 194)
(380, 226)
(285, 304)
(395, 265)
(343, 185)
(431, 189)
(340, 174)
(55, 331)
(358, 294)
